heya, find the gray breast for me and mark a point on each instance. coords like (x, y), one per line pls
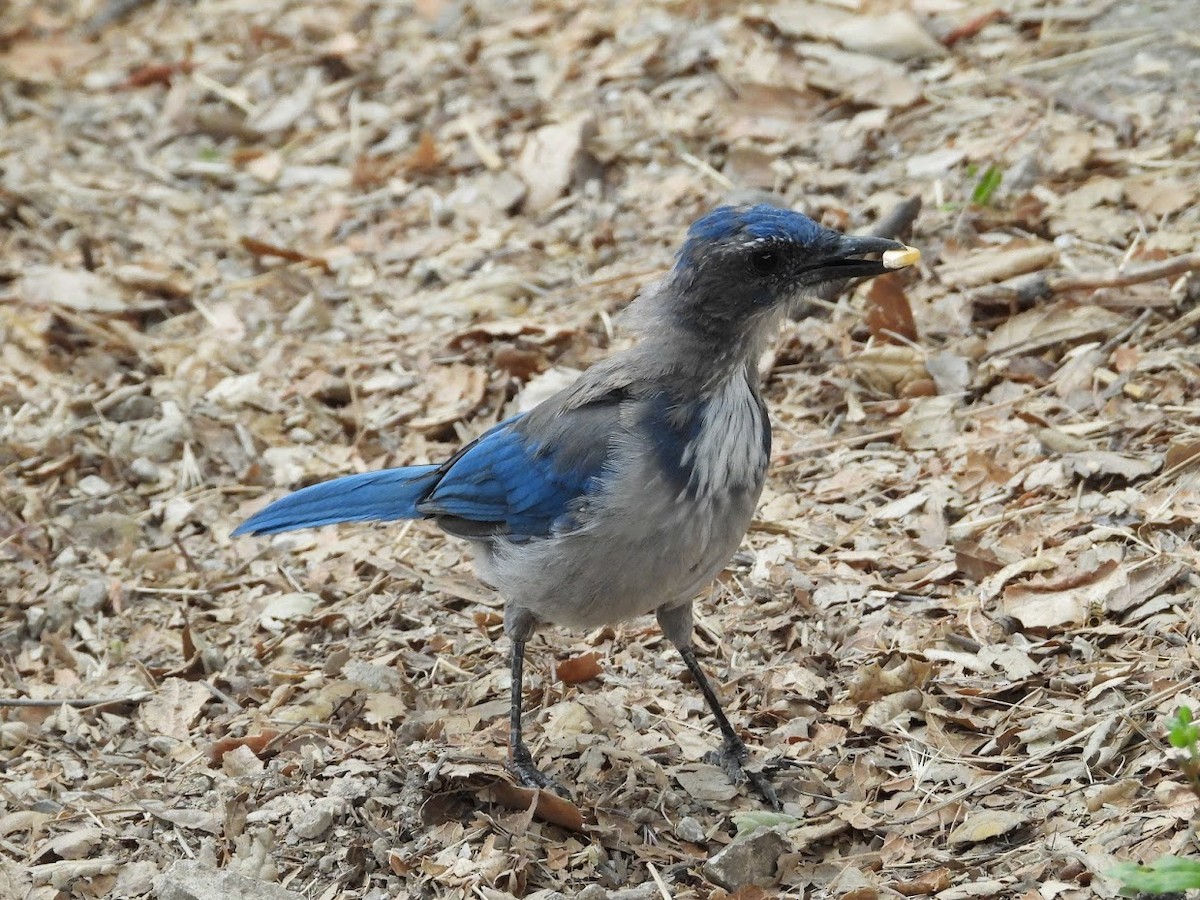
(675, 508)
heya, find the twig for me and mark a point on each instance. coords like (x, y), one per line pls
(852, 440)
(658, 880)
(1041, 285)
(972, 27)
(77, 702)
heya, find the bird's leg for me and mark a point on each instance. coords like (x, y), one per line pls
(677, 626)
(520, 760)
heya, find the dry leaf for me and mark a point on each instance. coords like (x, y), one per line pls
(1180, 452)
(985, 824)
(896, 35)
(425, 158)
(257, 742)
(929, 423)
(263, 248)
(708, 784)
(975, 562)
(1045, 326)
(1106, 464)
(174, 707)
(928, 883)
(578, 669)
(1073, 596)
(547, 806)
(46, 60)
(550, 159)
(75, 289)
(454, 392)
(888, 368)
(889, 317)
(283, 608)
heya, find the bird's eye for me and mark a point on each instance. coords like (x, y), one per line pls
(765, 262)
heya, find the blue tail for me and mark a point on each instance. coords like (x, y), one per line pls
(370, 497)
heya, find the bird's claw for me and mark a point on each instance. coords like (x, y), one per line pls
(530, 775)
(731, 758)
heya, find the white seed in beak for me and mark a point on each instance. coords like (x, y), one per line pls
(901, 259)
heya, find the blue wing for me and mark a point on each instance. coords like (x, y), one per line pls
(524, 478)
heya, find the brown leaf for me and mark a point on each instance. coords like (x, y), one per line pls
(155, 73)
(889, 315)
(550, 158)
(425, 158)
(930, 424)
(975, 562)
(549, 806)
(257, 742)
(1180, 451)
(887, 368)
(929, 883)
(454, 391)
(46, 60)
(579, 668)
(874, 681)
(262, 248)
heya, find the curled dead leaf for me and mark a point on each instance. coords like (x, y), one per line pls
(578, 669)
(257, 742)
(889, 315)
(547, 806)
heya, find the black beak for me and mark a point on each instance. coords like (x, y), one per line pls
(844, 259)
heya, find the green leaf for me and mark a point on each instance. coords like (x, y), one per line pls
(1182, 734)
(1166, 875)
(987, 185)
(748, 822)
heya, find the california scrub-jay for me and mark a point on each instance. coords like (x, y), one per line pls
(628, 491)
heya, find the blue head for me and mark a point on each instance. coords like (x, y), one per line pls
(740, 262)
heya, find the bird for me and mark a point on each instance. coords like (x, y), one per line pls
(629, 490)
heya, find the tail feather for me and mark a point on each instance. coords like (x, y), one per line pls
(370, 497)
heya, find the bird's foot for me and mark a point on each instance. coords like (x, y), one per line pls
(521, 765)
(731, 757)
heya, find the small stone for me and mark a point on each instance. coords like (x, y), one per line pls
(94, 486)
(300, 435)
(688, 829)
(145, 471)
(752, 860)
(309, 824)
(190, 880)
(134, 409)
(373, 676)
(92, 596)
